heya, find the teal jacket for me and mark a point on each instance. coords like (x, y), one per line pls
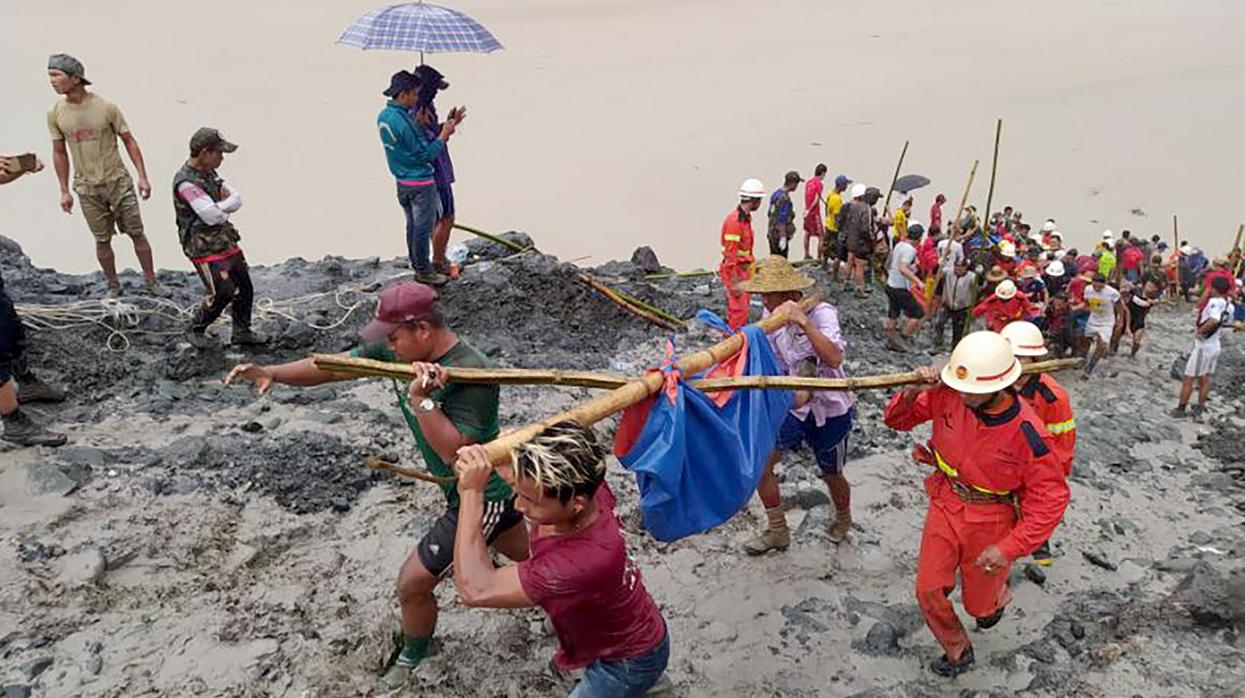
(408, 150)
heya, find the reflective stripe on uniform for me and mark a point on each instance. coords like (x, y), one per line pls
(1061, 427)
(951, 472)
(731, 238)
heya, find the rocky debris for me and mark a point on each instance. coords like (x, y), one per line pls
(14, 690)
(1210, 598)
(882, 639)
(645, 259)
(82, 567)
(32, 669)
(1099, 560)
(47, 479)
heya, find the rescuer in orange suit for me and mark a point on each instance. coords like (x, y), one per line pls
(737, 259)
(997, 490)
(1048, 399)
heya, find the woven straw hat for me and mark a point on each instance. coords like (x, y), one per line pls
(776, 275)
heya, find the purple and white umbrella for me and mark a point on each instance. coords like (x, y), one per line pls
(419, 26)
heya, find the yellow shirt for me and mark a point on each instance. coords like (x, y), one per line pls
(834, 204)
(90, 131)
(901, 224)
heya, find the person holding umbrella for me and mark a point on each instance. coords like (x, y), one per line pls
(431, 81)
(410, 153)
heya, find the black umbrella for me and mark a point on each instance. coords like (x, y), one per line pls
(907, 183)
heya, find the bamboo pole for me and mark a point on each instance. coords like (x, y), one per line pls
(959, 214)
(676, 321)
(489, 236)
(374, 463)
(994, 166)
(589, 379)
(1237, 252)
(886, 203)
(613, 296)
(1175, 235)
(679, 275)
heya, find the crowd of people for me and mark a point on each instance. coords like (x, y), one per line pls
(550, 510)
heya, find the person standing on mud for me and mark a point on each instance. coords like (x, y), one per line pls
(85, 128)
(431, 81)
(18, 383)
(782, 215)
(813, 226)
(1048, 399)
(579, 572)
(832, 244)
(857, 229)
(410, 153)
(203, 204)
(443, 419)
(1216, 314)
(957, 297)
(812, 345)
(997, 490)
(737, 256)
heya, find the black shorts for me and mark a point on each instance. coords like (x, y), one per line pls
(436, 548)
(901, 300)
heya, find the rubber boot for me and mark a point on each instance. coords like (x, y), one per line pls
(945, 667)
(841, 495)
(245, 336)
(31, 390)
(21, 430)
(776, 536)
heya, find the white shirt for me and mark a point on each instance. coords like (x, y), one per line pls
(957, 253)
(1219, 309)
(1101, 305)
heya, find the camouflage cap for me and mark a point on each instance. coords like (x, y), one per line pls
(208, 138)
(68, 65)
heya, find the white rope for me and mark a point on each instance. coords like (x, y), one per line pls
(121, 317)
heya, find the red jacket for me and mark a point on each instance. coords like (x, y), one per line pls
(1050, 401)
(999, 312)
(737, 240)
(1004, 453)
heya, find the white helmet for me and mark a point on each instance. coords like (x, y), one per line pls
(1007, 249)
(858, 190)
(1025, 337)
(752, 189)
(1055, 269)
(981, 363)
(1006, 289)
(1048, 226)
(1107, 235)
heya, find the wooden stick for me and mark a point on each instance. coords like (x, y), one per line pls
(375, 463)
(1238, 252)
(998, 133)
(955, 224)
(889, 380)
(887, 201)
(470, 376)
(636, 310)
(677, 322)
(1175, 236)
(489, 236)
(679, 275)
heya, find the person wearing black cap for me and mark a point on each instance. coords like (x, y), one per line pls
(782, 215)
(86, 126)
(203, 205)
(410, 153)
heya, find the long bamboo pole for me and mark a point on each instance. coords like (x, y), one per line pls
(959, 213)
(994, 167)
(612, 295)
(1237, 252)
(953, 232)
(886, 203)
(589, 379)
(678, 322)
(489, 236)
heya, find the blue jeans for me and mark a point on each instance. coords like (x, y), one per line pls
(627, 678)
(422, 206)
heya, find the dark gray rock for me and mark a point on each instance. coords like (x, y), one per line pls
(34, 667)
(882, 639)
(645, 260)
(1204, 593)
(48, 479)
(94, 664)
(14, 690)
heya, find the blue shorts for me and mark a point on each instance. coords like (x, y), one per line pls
(828, 441)
(626, 678)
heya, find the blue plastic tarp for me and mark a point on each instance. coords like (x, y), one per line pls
(697, 464)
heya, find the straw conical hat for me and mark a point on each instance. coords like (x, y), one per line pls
(776, 275)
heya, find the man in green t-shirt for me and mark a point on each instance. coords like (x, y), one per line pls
(443, 418)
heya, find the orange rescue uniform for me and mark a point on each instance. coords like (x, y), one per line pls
(998, 482)
(1050, 401)
(737, 262)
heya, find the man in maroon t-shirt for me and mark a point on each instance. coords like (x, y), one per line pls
(578, 573)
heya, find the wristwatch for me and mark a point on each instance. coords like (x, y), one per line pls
(425, 406)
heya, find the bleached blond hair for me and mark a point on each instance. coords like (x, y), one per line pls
(565, 460)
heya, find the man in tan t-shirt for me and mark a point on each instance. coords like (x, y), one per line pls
(86, 126)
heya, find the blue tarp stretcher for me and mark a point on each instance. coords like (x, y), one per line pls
(697, 457)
